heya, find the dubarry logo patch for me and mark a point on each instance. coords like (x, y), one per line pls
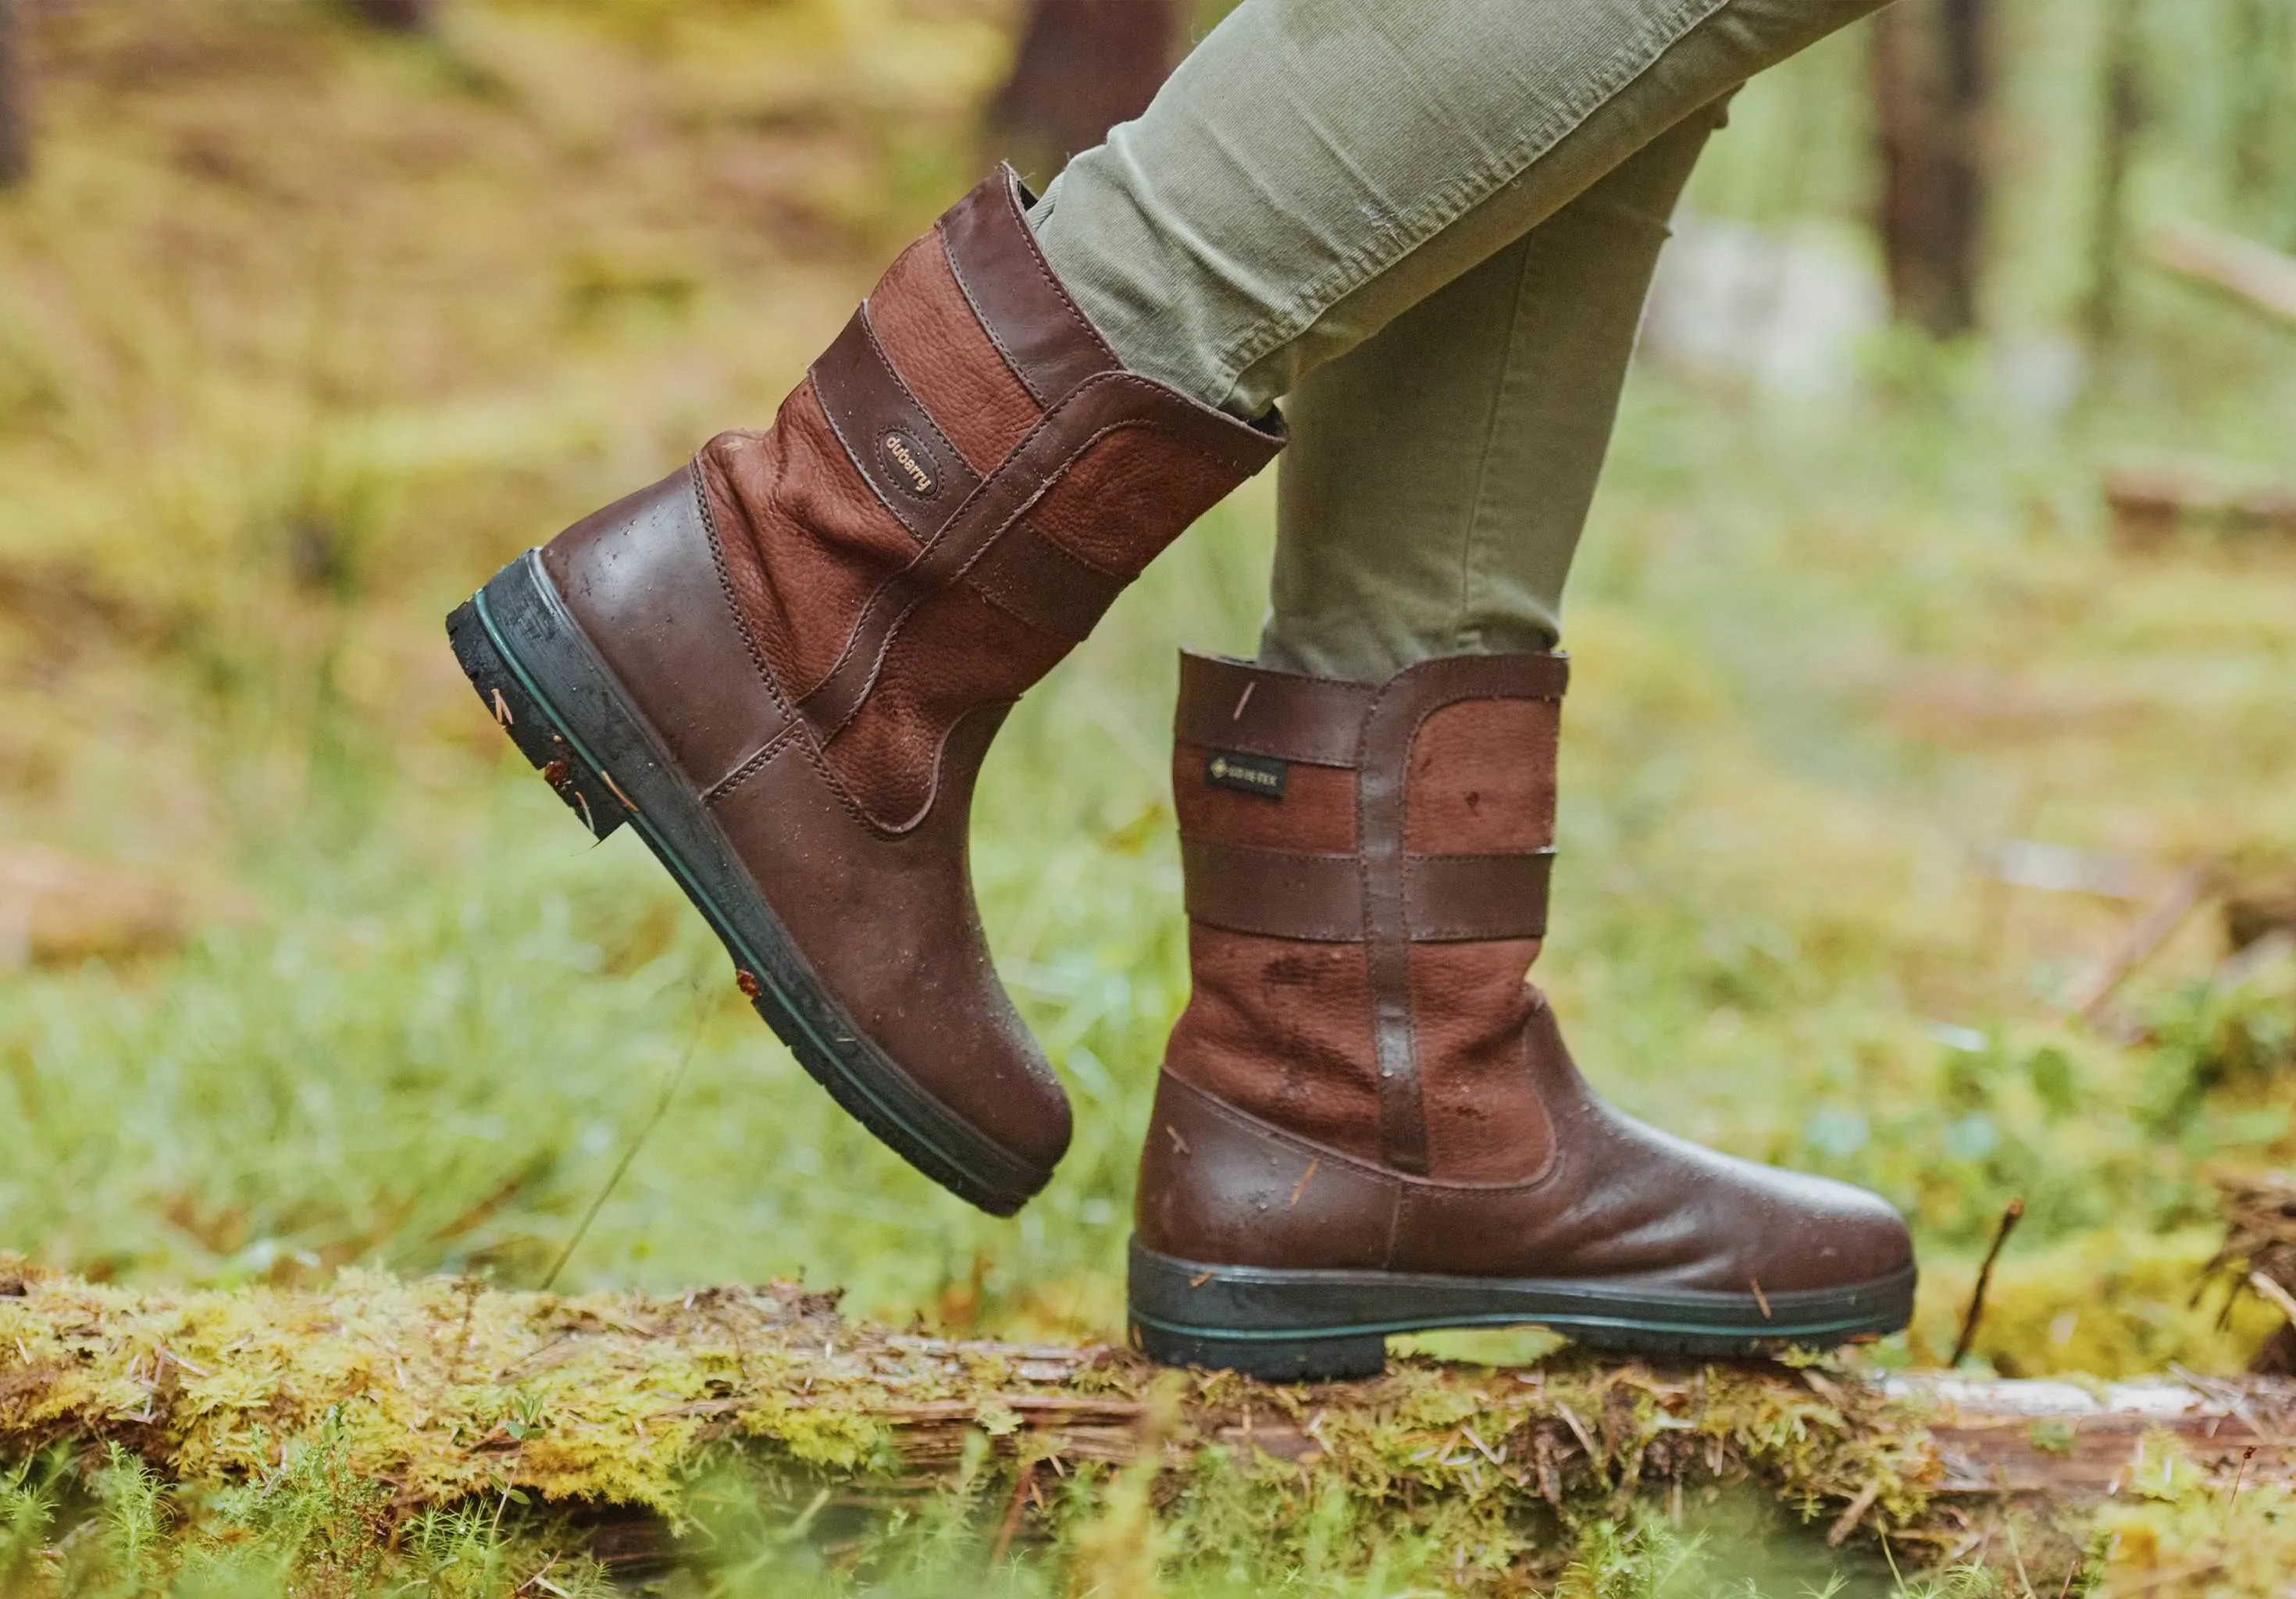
(914, 467)
(1247, 773)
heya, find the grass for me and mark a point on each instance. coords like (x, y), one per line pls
(303, 332)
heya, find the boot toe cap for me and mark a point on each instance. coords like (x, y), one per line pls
(1820, 1234)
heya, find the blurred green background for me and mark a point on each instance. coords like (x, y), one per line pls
(305, 328)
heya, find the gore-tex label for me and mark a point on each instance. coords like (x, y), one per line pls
(1247, 773)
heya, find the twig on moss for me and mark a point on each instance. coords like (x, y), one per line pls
(2010, 1218)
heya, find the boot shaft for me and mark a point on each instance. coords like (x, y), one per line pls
(962, 484)
(1367, 870)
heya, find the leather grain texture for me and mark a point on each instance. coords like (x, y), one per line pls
(1131, 490)
(1486, 1121)
(1225, 1187)
(1049, 345)
(1233, 705)
(1030, 577)
(928, 331)
(1316, 815)
(1283, 1030)
(1277, 893)
(1103, 405)
(953, 654)
(803, 541)
(891, 929)
(895, 446)
(1482, 777)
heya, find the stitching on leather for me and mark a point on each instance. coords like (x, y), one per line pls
(1390, 1183)
(940, 770)
(795, 728)
(1011, 361)
(1368, 757)
(998, 596)
(1402, 755)
(750, 767)
(925, 549)
(821, 735)
(1045, 271)
(999, 599)
(1463, 931)
(716, 540)
(1229, 673)
(829, 414)
(893, 627)
(1020, 215)
(1306, 1147)
(853, 457)
(1035, 254)
(876, 348)
(1404, 1181)
(1403, 903)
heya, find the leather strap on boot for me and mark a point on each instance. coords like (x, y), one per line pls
(964, 483)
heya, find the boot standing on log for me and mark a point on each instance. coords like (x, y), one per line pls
(1428, 231)
(1368, 1122)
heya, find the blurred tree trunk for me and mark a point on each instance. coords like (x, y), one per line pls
(401, 16)
(2258, 92)
(15, 97)
(2120, 114)
(2258, 84)
(1083, 67)
(1932, 84)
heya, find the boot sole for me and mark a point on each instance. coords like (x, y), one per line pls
(551, 692)
(1291, 1327)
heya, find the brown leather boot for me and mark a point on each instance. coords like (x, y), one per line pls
(1367, 1122)
(783, 664)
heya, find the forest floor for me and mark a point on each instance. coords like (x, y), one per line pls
(1879, 743)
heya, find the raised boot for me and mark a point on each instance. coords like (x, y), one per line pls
(1367, 1122)
(783, 664)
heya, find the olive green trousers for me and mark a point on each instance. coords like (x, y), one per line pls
(1427, 227)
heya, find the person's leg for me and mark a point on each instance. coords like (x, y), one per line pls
(1441, 471)
(1316, 167)
(1368, 1121)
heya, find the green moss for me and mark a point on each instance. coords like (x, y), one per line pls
(386, 1400)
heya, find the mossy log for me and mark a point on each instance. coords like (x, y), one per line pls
(445, 1390)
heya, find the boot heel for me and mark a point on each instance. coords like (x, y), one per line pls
(1303, 1359)
(592, 799)
(1275, 1325)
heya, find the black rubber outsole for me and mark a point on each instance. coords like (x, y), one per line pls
(530, 664)
(1305, 1326)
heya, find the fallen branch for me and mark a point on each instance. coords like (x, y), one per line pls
(2148, 504)
(2255, 275)
(2154, 926)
